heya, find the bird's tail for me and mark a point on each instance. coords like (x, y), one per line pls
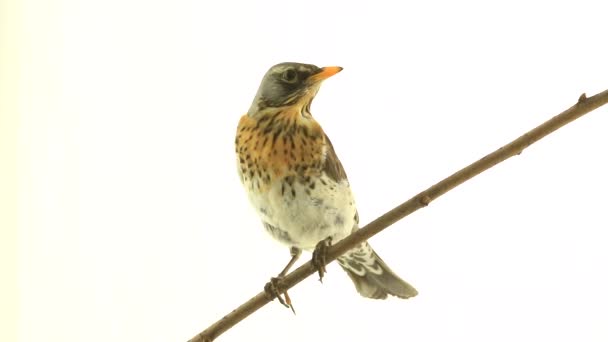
(372, 277)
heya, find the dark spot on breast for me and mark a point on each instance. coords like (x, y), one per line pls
(289, 180)
(312, 185)
(274, 137)
(293, 192)
(274, 116)
(264, 118)
(339, 220)
(278, 233)
(293, 144)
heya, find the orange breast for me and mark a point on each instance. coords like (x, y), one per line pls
(278, 145)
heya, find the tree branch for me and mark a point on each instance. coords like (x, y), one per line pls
(582, 107)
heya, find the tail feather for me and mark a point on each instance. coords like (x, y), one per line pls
(372, 277)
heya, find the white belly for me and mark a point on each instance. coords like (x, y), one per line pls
(301, 216)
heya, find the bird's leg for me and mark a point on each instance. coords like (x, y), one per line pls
(274, 287)
(295, 254)
(319, 256)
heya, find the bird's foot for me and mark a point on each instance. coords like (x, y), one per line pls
(274, 289)
(319, 256)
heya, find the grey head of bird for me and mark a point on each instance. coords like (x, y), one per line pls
(289, 84)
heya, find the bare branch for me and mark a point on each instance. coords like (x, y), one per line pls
(582, 107)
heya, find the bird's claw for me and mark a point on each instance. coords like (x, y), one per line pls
(319, 256)
(274, 289)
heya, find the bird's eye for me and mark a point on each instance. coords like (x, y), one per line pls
(290, 76)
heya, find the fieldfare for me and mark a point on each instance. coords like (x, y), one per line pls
(296, 183)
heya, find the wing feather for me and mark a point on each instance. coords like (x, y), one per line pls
(332, 167)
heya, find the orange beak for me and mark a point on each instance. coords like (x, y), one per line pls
(325, 73)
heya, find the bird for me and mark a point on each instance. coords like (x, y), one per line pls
(297, 185)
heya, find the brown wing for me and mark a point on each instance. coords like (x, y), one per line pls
(333, 168)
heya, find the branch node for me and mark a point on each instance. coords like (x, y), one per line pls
(582, 98)
(424, 200)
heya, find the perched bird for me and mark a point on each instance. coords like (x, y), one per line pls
(296, 183)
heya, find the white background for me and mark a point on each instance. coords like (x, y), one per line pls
(133, 225)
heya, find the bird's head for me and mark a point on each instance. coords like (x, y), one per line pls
(290, 84)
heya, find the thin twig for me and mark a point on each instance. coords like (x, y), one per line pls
(582, 107)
